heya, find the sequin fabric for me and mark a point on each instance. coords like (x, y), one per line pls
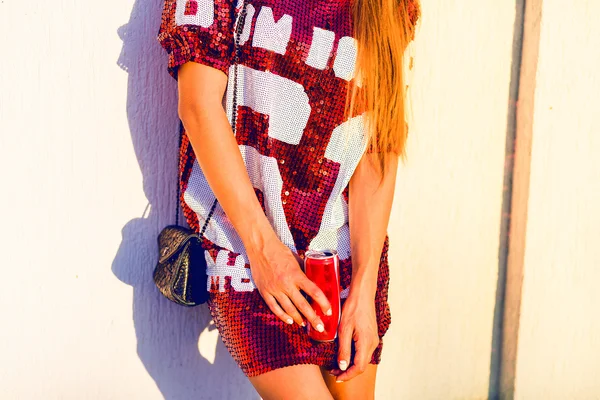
(295, 60)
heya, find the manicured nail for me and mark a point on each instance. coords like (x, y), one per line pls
(303, 324)
(343, 365)
(290, 321)
(320, 328)
(329, 312)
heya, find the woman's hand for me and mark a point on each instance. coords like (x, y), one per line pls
(277, 274)
(367, 236)
(358, 324)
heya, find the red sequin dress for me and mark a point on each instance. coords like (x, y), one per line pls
(295, 60)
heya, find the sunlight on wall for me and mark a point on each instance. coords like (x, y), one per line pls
(559, 345)
(89, 134)
(207, 345)
(444, 230)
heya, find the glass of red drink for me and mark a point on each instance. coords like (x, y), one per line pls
(323, 268)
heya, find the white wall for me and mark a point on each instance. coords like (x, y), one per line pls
(88, 143)
(559, 338)
(89, 136)
(445, 226)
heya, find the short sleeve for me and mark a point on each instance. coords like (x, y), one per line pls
(199, 31)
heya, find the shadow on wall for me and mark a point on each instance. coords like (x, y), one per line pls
(167, 334)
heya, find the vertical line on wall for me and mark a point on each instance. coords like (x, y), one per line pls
(520, 197)
(519, 132)
(505, 218)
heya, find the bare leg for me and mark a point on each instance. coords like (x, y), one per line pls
(297, 382)
(361, 387)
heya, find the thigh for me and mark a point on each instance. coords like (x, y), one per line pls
(297, 382)
(361, 387)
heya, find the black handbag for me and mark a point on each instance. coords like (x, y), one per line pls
(180, 273)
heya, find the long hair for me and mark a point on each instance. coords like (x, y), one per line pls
(383, 29)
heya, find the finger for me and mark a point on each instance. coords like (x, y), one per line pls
(306, 310)
(277, 310)
(315, 293)
(364, 352)
(290, 309)
(361, 359)
(345, 332)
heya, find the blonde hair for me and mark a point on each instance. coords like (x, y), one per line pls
(383, 29)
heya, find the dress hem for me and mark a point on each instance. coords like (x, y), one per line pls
(311, 360)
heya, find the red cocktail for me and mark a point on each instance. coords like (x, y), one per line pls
(323, 268)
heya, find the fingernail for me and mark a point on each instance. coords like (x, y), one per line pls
(303, 324)
(343, 365)
(290, 321)
(320, 328)
(338, 381)
(329, 312)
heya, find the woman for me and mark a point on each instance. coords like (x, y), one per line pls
(309, 162)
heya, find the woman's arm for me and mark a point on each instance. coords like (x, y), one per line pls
(275, 270)
(200, 108)
(370, 204)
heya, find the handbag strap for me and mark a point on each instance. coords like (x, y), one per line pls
(236, 58)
